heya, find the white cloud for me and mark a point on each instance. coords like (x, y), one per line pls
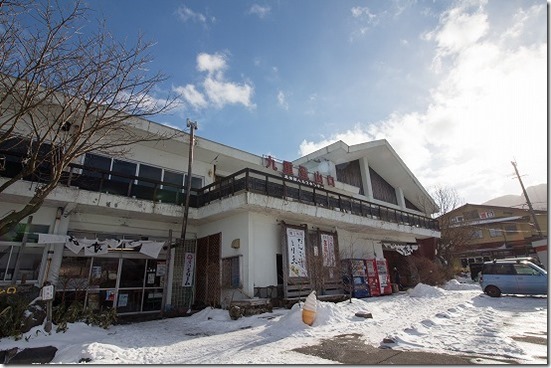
(211, 63)
(193, 97)
(217, 92)
(221, 93)
(359, 12)
(186, 14)
(282, 100)
(259, 10)
(489, 108)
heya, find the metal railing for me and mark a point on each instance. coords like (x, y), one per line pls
(246, 180)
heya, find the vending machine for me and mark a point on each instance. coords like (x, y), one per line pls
(384, 276)
(373, 277)
(355, 277)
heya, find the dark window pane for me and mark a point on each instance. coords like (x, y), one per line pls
(97, 162)
(104, 272)
(196, 183)
(132, 274)
(153, 300)
(129, 301)
(125, 168)
(149, 172)
(173, 178)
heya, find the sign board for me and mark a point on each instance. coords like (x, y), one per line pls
(48, 292)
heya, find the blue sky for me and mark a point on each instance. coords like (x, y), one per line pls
(459, 89)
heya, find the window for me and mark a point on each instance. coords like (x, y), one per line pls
(231, 276)
(457, 219)
(97, 162)
(149, 172)
(494, 233)
(123, 167)
(173, 178)
(16, 234)
(476, 234)
(29, 262)
(523, 269)
(196, 182)
(511, 228)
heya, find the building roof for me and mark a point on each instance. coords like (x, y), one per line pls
(384, 160)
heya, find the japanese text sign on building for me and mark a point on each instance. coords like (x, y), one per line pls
(328, 250)
(299, 174)
(296, 253)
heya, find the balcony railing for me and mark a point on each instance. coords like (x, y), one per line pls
(254, 181)
(246, 180)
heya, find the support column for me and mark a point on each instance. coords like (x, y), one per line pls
(366, 178)
(400, 197)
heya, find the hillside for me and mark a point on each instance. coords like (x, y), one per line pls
(536, 193)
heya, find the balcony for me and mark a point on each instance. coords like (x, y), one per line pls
(246, 180)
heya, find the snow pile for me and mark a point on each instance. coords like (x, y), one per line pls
(423, 290)
(456, 285)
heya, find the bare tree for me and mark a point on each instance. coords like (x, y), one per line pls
(66, 90)
(453, 238)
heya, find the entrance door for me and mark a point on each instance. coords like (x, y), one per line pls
(207, 286)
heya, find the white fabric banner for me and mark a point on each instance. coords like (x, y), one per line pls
(328, 250)
(151, 248)
(73, 245)
(94, 247)
(297, 253)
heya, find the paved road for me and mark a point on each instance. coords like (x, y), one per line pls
(350, 349)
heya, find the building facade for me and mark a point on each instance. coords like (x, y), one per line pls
(488, 232)
(108, 234)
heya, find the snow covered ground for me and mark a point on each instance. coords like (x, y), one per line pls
(456, 319)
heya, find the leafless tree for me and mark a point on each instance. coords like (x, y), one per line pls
(69, 88)
(453, 238)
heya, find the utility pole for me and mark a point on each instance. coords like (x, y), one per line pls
(192, 125)
(530, 208)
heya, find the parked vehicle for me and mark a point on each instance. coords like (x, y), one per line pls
(512, 276)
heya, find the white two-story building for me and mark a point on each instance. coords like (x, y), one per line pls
(257, 226)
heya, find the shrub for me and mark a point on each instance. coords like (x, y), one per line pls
(430, 272)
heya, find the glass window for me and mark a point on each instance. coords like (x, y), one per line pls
(123, 167)
(173, 178)
(133, 271)
(231, 277)
(104, 272)
(129, 301)
(16, 234)
(494, 233)
(7, 262)
(523, 269)
(476, 234)
(97, 162)
(73, 273)
(196, 182)
(149, 172)
(29, 262)
(153, 299)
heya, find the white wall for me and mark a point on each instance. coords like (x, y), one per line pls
(265, 245)
(353, 245)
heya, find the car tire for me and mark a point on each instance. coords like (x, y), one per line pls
(493, 291)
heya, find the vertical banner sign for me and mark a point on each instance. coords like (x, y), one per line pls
(297, 253)
(328, 250)
(189, 265)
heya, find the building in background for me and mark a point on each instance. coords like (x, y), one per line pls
(257, 226)
(485, 232)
